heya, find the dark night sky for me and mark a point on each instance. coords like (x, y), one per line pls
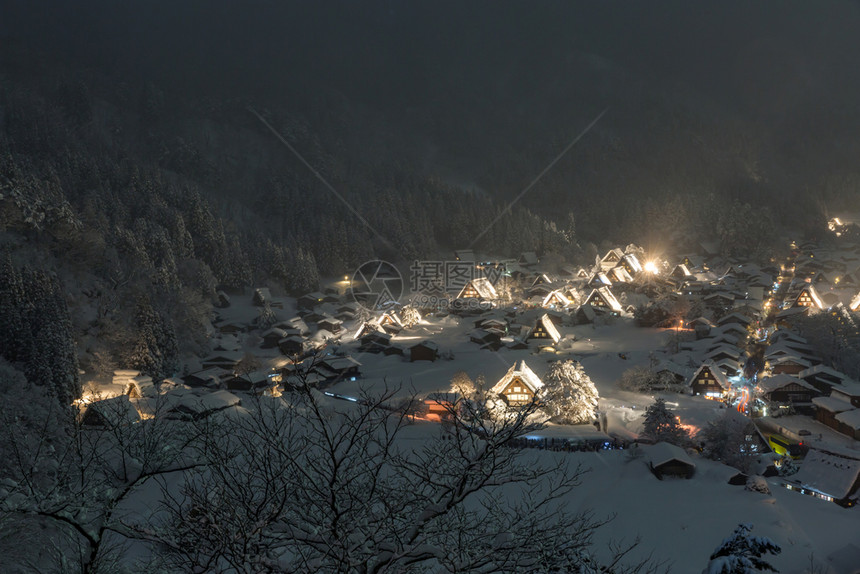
(452, 72)
(755, 56)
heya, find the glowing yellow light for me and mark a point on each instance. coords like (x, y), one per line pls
(651, 267)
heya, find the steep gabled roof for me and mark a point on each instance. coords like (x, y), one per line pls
(813, 294)
(522, 371)
(613, 254)
(548, 326)
(633, 262)
(620, 275)
(557, 296)
(541, 279)
(718, 375)
(681, 271)
(606, 295)
(483, 287)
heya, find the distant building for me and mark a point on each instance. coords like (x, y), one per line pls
(424, 351)
(668, 460)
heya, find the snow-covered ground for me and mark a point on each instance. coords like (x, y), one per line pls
(680, 521)
(683, 521)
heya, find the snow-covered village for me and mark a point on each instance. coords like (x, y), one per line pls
(388, 287)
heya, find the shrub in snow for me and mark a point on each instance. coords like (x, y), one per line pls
(741, 553)
(786, 466)
(725, 439)
(757, 484)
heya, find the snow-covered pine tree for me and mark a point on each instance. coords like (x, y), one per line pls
(569, 396)
(267, 316)
(45, 345)
(741, 553)
(155, 351)
(661, 424)
(11, 310)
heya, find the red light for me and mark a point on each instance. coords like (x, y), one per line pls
(801, 444)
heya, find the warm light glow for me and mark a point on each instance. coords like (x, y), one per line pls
(651, 267)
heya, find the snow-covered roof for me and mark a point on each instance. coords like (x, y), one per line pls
(822, 369)
(728, 350)
(813, 295)
(522, 371)
(633, 262)
(726, 365)
(620, 275)
(588, 311)
(850, 418)
(548, 326)
(664, 452)
(116, 411)
(671, 367)
(718, 375)
(198, 405)
(700, 321)
(613, 254)
(832, 404)
(274, 332)
(482, 286)
(556, 297)
(734, 318)
(828, 474)
(340, 363)
(607, 296)
(847, 389)
(788, 359)
(770, 384)
(681, 270)
(426, 343)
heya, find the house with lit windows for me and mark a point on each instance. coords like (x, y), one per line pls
(602, 300)
(519, 385)
(809, 297)
(556, 300)
(710, 382)
(544, 330)
(478, 288)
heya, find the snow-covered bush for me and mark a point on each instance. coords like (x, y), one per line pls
(757, 483)
(741, 553)
(786, 466)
